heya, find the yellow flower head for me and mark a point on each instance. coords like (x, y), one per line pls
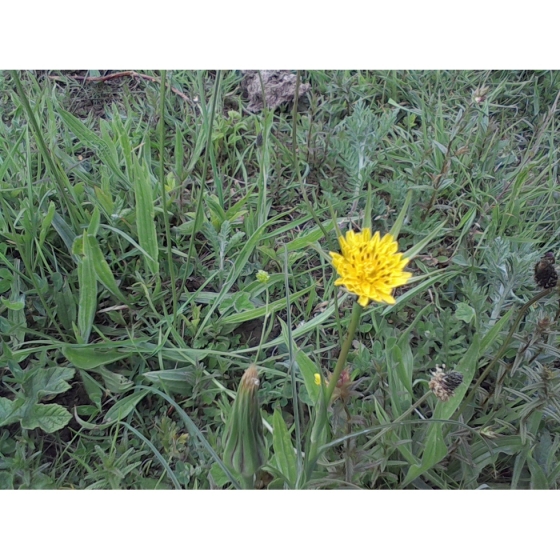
(370, 267)
(317, 379)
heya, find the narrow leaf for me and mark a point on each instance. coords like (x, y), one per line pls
(102, 269)
(124, 406)
(283, 449)
(92, 356)
(145, 216)
(88, 296)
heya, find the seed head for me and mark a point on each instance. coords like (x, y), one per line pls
(545, 272)
(443, 384)
(544, 324)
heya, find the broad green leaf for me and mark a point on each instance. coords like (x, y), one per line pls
(283, 449)
(48, 417)
(49, 381)
(178, 380)
(124, 406)
(78, 246)
(92, 388)
(87, 303)
(465, 312)
(105, 199)
(6, 278)
(114, 382)
(92, 356)
(403, 364)
(399, 394)
(8, 410)
(145, 216)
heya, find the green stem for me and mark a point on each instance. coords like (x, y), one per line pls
(266, 315)
(320, 424)
(354, 322)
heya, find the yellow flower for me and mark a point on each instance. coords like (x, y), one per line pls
(370, 267)
(317, 378)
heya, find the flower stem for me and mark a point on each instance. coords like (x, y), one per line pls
(320, 424)
(266, 315)
(354, 322)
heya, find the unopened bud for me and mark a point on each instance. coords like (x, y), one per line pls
(244, 443)
(479, 94)
(263, 277)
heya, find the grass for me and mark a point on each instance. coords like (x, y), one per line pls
(133, 223)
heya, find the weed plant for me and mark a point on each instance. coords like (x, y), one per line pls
(154, 245)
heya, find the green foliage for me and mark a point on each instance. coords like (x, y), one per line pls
(130, 306)
(31, 386)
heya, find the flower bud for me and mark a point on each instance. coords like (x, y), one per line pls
(263, 277)
(244, 443)
(479, 94)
